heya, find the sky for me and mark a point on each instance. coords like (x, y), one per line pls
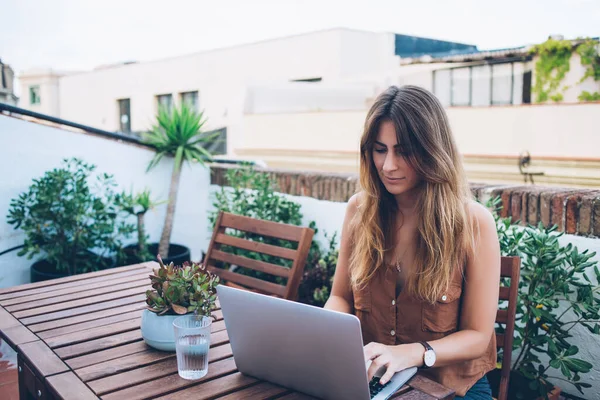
(83, 34)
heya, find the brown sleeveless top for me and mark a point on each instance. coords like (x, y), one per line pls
(392, 320)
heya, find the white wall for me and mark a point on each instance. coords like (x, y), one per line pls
(543, 130)
(30, 149)
(339, 131)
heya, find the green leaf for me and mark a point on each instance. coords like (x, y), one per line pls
(578, 365)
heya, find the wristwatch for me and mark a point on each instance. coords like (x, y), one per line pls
(428, 356)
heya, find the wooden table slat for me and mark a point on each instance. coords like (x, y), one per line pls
(401, 391)
(98, 344)
(260, 391)
(68, 387)
(106, 355)
(17, 335)
(74, 304)
(83, 310)
(72, 280)
(134, 377)
(94, 333)
(431, 387)
(42, 359)
(122, 364)
(218, 387)
(139, 360)
(159, 369)
(123, 277)
(78, 295)
(87, 318)
(85, 326)
(7, 320)
(417, 395)
(217, 326)
(169, 383)
(297, 396)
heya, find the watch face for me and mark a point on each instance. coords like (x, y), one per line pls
(429, 358)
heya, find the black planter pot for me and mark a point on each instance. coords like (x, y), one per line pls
(132, 255)
(178, 254)
(43, 270)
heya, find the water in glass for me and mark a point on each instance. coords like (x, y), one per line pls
(192, 342)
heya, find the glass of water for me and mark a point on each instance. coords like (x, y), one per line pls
(192, 341)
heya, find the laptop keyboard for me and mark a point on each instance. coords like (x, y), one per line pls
(375, 387)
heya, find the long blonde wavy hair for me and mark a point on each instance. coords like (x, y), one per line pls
(445, 232)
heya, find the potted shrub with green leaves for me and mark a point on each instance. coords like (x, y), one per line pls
(176, 291)
(556, 295)
(178, 133)
(74, 226)
(138, 205)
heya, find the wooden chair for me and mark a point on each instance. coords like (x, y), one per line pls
(303, 236)
(510, 268)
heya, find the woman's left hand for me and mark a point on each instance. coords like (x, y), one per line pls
(394, 358)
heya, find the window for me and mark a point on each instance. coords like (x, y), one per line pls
(124, 115)
(165, 100)
(191, 99)
(34, 95)
(480, 79)
(483, 85)
(502, 84)
(461, 89)
(441, 86)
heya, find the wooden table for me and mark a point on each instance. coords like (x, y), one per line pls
(79, 338)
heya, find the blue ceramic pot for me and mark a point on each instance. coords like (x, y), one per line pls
(158, 331)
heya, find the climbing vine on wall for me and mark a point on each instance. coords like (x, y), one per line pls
(552, 66)
(588, 51)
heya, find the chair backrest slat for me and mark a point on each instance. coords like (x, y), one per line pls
(504, 293)
(221, 241)
(250, 263)
(257, 247)
(510, 268)
(261, 227)
(250, 282)
(502, 317)
(500, 338)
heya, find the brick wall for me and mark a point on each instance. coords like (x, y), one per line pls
(575, 211)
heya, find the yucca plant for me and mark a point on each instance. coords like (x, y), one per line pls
(178, 133)
(182, 289)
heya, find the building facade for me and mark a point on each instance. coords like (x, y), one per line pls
(7, 80)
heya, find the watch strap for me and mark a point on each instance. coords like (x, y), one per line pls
(427, 348)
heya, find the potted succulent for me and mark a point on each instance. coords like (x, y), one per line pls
(138, 205)
(73, 225)
(178, 133)
(176, 290)
(556, 295)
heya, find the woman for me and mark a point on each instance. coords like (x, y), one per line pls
(419, 260)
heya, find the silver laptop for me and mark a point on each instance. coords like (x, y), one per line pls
(309, 349)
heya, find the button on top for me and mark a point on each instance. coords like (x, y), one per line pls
(444, 298)
(393, 302)
(393, 332)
